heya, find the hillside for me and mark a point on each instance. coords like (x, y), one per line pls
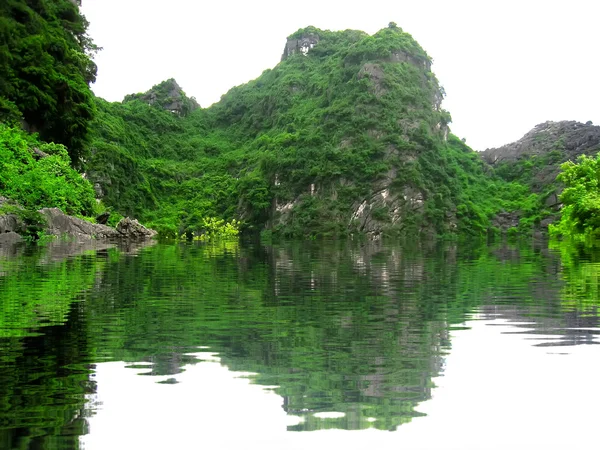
(45, 70)
(346, 135)
(535, 160)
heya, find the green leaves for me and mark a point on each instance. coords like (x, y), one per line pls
(300, 148)
(49, 181)
(45, 68)
(580, 215)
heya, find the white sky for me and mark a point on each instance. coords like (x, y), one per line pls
(505, 65)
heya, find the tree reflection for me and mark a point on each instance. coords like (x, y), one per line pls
(358, 329)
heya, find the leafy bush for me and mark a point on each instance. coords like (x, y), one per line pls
(580, 215)
(49, 181)
(45, 70)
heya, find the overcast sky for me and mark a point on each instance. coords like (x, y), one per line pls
(505, 65)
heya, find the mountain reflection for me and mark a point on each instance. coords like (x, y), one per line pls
(358, 329)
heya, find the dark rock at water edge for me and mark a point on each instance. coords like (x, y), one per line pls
(11, 226)
(9, 238)
(102, 219)
(59, 224)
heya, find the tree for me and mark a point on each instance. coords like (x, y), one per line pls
(45, 70)
(580, 215)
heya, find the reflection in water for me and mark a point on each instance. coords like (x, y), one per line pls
(347, 336)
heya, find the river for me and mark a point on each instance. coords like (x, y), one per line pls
(300, 345)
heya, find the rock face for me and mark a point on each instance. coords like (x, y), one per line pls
(10, 226)
(300, 44)
(535, 160)
(570, 138)
(10, 223)
(131, 228)
(553, 143)
(10, 238)
(386, 207)
(59, 224)
(167, 95)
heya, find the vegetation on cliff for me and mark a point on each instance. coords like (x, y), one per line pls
(346, 135)
(543, 163)
(580, 214)
(37, 175)
(45, 71)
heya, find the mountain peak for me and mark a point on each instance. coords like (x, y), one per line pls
(167, 95)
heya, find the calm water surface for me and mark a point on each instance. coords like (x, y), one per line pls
(300, 345)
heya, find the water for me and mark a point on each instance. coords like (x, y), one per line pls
(299, 345)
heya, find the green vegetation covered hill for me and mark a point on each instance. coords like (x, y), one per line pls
(345, 135)
(45, 70)
(536, 160)
(45, 111)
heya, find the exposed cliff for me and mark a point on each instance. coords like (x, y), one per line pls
(345, 135)
(17, 223)
(567, 138)
(534, 161)
(169, 96)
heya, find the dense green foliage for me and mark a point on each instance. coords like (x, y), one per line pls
(45, 70)
(159, 167)
(297, 150)
(35, 181)
(536, 177)
(347, 138)
(580, 214)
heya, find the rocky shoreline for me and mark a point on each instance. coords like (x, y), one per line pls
(56, 223)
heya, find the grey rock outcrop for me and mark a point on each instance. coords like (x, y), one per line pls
(133, 229)
(59, 224)
(544, 148)
(571, 139)
(10, 238)
(10, 226)
(10, 223)
(302, 45)
(556, 142)
(167, 95)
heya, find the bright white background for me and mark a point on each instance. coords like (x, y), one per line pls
(505, 65)
(499, 392)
